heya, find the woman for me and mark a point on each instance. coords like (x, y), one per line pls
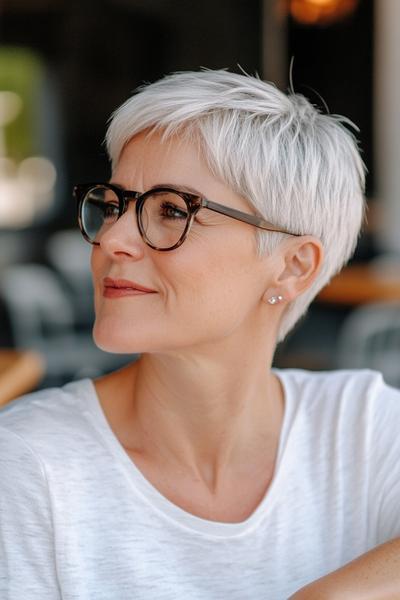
(199, 472)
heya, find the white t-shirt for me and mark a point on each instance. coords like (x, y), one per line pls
(79, 521)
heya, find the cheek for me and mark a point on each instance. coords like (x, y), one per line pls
(219, 288)
(94, 261)
(206, 293)
(98, 265)
(97, 260)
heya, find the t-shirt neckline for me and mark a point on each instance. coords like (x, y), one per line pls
(166, 507)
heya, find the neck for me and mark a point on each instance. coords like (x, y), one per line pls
(206, 413)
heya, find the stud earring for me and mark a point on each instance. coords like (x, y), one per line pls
(275, 299)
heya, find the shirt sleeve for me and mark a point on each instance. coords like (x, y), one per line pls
(27, 556)
(384, 449)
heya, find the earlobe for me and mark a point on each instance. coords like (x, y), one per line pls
(275, 299)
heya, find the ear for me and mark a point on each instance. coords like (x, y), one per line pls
(300, 260)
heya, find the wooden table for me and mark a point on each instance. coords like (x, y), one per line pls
(20, 372)
(362, 284)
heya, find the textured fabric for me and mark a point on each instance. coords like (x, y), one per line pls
(78, 520)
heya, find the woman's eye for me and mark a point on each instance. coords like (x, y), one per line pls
(170, 211)
(110, 210)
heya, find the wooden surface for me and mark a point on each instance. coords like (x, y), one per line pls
(20, 372)
(361, 284)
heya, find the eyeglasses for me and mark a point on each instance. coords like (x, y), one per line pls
(164, 215)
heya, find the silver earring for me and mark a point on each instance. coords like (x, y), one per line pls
(275, 299)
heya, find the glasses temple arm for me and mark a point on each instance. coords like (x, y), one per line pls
(246, 218)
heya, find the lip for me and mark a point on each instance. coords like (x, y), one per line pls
(116, 288)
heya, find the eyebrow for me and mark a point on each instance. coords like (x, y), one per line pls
(180, 188)
(174, 186)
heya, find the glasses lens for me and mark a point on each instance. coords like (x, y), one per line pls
(163, 218)
(100, 210)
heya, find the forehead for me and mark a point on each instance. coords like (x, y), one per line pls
(147, 156)
(148, 161)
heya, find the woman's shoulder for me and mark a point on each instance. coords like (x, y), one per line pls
(330, 377)
(48, 416)
(340, 392)
(349, 412)
(335, 383)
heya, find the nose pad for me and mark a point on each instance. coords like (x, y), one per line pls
(123, 237)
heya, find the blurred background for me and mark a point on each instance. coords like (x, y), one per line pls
(66, 65)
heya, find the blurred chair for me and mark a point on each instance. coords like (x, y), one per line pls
(20, 372)
(42, 318)
(370, 338)
(389, 261)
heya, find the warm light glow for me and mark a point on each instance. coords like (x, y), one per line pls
(321, 12)
(322, 2)
(8, 168)
(16, 208)
(39, 173)
(26, 190)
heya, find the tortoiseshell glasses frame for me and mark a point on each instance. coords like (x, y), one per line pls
(193, 202)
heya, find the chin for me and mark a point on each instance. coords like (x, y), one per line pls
(111, 340)
(115, 337)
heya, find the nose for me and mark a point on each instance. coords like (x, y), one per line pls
(123, 240)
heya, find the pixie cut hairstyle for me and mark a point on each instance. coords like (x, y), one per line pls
(300, 169)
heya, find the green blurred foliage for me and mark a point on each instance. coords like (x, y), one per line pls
(21, 71)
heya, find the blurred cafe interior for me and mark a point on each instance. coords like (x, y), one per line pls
(65, 65)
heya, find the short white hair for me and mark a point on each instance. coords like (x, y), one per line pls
(299, 168)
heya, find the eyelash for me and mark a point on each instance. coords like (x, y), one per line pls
(168, 206)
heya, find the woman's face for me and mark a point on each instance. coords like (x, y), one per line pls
(206, 290)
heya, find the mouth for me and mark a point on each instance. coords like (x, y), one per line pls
(116, 288)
